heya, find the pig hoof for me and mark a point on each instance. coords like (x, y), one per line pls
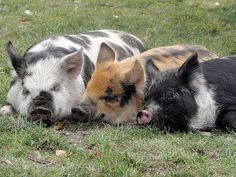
(79, 115)
(144, 117)
(5, 110)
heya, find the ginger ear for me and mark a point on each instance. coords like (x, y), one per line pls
(72, 64)
(106, 53)
(135, 76)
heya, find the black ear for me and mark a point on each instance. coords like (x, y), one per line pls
(151, 69)
(17, 61)
(187, 70)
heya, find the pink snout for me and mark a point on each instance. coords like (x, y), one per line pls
(144, 117)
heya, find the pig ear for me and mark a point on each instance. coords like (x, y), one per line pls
(151, 69)
(106, 53)
(18, 63)
(135, 76)
(72, 64)
(189, 68)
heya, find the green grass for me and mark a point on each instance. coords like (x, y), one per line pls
(102, 150)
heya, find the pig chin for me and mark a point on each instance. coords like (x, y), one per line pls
(126, 116)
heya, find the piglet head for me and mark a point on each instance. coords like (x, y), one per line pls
(47, 89)
(169, 101)
(115, 90)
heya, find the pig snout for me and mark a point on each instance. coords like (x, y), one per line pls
(41, 109)
(42, 114)
(144, 117)
(79, 114)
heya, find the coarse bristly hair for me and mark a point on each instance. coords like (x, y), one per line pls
(192, 97)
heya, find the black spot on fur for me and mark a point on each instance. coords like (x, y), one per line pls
(122, 53)
(109, 90)
(110, 96)
(81, 40)
(57, 52)
(129, 51)
(97, 34)
(131, 41)
(129, 90)
(43, 99)
(173, 52)
(87, 70)
(86, 40)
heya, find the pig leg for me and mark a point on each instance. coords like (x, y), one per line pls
(6, 109)
(227, 120)
(13, 97)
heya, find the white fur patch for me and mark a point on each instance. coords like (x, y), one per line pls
(153, 108)
(207, 106)
(6, 109)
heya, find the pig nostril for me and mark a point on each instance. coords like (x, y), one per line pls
(42, 115)
(78, 112)
(140, 113)
(79, 115)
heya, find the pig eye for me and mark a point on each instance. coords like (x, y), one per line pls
(111, 98)
(56, 87)
(170, 96)
(25, 92)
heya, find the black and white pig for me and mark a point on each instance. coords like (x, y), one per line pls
(51, 76)
(194, 97)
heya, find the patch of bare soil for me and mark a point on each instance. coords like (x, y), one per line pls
(76, 132)
(75, 138)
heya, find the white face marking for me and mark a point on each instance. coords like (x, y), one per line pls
(153, 108)
(207, 106)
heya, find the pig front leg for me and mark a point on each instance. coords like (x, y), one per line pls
(12, 98)
(6, 109)
(227, 119)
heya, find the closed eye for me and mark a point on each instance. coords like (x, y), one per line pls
(25, 92)
(110, 98)
(56, 87)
